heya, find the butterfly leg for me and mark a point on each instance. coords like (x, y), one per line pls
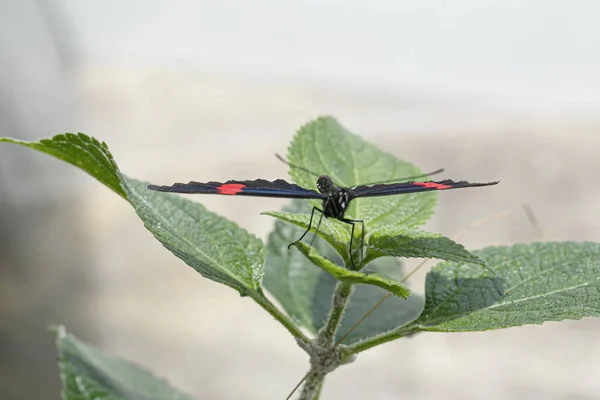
(316, 230)
(312, 214)
(353, 222)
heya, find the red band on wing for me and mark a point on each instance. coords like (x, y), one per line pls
(230, 188)
(432, 185)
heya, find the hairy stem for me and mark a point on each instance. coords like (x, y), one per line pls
(381, 339)
(339, 302)
(312, 387)
(281, 317)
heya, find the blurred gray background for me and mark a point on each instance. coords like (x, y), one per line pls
(210, 90)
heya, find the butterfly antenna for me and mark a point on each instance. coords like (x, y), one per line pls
(437, 171)
(283, 160)
(407, 178)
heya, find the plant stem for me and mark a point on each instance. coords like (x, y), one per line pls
(381, 339)
(339, 301)
(312, 387)
(281, 317)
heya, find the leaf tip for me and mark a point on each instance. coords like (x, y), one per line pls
(59, 331)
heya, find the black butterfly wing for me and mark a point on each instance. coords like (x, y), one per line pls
(412, 187)
(258, 187)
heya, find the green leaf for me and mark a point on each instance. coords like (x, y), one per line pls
(305, 291)
(326, 147)
(406, 242)
(214, 246)
(88, 373)
(344, 275)
(82, 151)
(534, 283)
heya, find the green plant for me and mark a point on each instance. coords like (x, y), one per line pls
(530, 284)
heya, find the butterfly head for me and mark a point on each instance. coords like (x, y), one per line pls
(325, 184)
